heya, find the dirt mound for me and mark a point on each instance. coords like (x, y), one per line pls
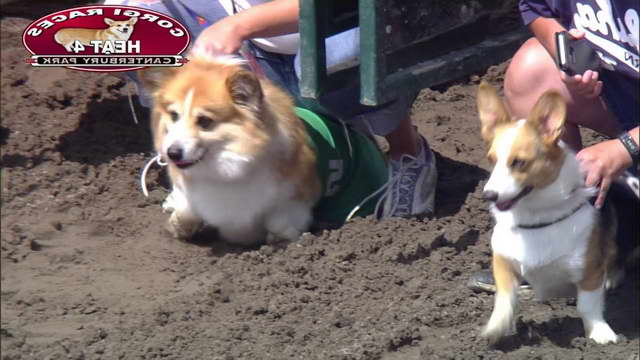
(88, 272)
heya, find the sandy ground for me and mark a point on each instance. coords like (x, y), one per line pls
(89, 273)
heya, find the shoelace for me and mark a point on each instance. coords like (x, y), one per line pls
(156, 159)
(143, 177)
(392, 186)
(130, 96)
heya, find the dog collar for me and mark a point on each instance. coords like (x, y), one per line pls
(545, 224)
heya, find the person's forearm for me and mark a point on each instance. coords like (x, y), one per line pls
(274, 18)
(544, 30)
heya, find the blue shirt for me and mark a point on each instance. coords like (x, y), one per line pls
(612, 27)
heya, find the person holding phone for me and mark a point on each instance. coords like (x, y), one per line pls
(605, 99)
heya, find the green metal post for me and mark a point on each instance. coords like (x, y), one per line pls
(372, 61)
(313, 20)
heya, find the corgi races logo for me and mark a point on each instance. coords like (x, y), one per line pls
(106, 38)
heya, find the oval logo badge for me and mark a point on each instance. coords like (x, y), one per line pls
(106, 38)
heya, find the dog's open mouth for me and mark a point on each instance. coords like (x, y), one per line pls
(183, 164)
(508, 204)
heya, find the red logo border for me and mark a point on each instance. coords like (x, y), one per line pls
(186, 31)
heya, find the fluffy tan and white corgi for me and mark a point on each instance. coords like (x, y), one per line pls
(546, 231)
(117, 30)
(238, 155)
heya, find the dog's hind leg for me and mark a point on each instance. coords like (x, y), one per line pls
(590, 302)
(507, 282)
(288, 221)
(600, 259)
(591, 307)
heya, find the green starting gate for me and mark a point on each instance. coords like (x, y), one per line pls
(473, 36)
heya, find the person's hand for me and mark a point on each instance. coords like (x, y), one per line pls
(602, 163)
(587, 84)
(222, 38)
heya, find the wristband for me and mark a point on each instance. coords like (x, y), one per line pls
(631, 147)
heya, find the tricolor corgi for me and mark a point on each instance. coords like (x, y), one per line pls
(546, 231)
(116, 30)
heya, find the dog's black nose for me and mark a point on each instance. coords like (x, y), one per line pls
(174, 152)
(125, 30)
(490, 195)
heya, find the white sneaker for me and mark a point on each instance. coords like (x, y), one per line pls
(412, 182)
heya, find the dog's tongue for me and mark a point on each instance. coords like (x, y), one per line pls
(504, 205)
(183, 163)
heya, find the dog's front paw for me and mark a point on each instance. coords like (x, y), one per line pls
(169, 204)
(497, 329)
(181, 227)
(602, 334)
(501, 321)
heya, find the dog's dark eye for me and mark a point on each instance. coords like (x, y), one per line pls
(174, 116)
(204, 122)
(518, 163)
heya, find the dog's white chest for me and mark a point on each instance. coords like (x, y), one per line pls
(552, 257)
(235, 204)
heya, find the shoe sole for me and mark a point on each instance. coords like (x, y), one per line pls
(491, 288)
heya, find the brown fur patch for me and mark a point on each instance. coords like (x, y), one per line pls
(492, 110)
(601, 252)
(548, 116)
(534, 162)
(535, 158)
(504, 274)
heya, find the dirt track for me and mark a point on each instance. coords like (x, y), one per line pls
(88, 272)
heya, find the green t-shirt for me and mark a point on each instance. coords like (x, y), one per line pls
(348, 176)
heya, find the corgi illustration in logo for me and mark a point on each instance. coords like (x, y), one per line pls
(117, 30)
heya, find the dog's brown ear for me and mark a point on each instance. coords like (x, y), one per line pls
(152, 78)
(108, 21)
(245, 90)
(492, 110)
(133, 20)
(548, 116)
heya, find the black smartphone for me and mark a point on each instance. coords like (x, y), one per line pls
(575, 56)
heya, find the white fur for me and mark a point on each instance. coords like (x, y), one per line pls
(501, 180)
(501, 321)
(551, 258)
(555, 249)
(243, 209)
(243, 197)
(591, 306)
